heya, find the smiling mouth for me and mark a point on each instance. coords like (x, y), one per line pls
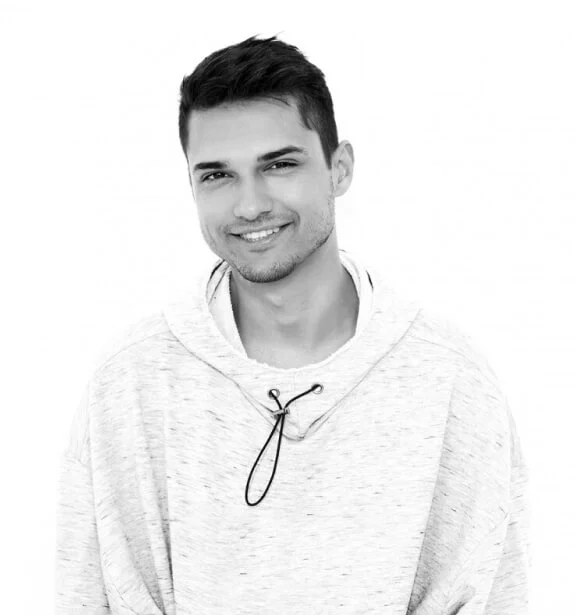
(265, 242)
(280, 229)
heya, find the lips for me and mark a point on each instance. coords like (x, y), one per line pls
(271, 228)
(263, 244)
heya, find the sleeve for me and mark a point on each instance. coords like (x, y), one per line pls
(79, 583)
(501, 566)
(510, 588)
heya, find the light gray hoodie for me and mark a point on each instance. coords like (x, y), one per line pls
(391, 479)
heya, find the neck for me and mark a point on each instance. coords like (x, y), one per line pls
(308, 309)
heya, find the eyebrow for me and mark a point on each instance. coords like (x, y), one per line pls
(222, 164)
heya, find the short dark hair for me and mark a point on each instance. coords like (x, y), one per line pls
(260, 69)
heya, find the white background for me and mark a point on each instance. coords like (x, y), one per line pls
(463, 120)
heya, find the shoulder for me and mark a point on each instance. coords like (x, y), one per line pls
(130, 336)
(434, 328)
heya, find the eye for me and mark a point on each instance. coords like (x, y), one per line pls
(291, 164)
(204, 179)
(285, 162)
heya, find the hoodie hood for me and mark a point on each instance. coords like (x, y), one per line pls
(387, 319)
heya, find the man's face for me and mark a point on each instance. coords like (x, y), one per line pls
(244, 195)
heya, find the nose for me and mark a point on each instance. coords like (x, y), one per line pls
(252, 201)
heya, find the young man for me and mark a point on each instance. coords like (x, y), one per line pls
(295, 437)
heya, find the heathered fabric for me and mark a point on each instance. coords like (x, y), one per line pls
(401, 487)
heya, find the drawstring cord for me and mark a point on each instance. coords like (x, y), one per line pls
(274, 393)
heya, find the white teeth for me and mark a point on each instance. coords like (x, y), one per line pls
(260, 235)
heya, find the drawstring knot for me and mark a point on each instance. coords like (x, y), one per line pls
(280, 413)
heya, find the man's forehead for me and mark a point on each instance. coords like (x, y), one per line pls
(225, 137)
(256, 110)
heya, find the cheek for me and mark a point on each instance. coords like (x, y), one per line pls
(306, 197)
